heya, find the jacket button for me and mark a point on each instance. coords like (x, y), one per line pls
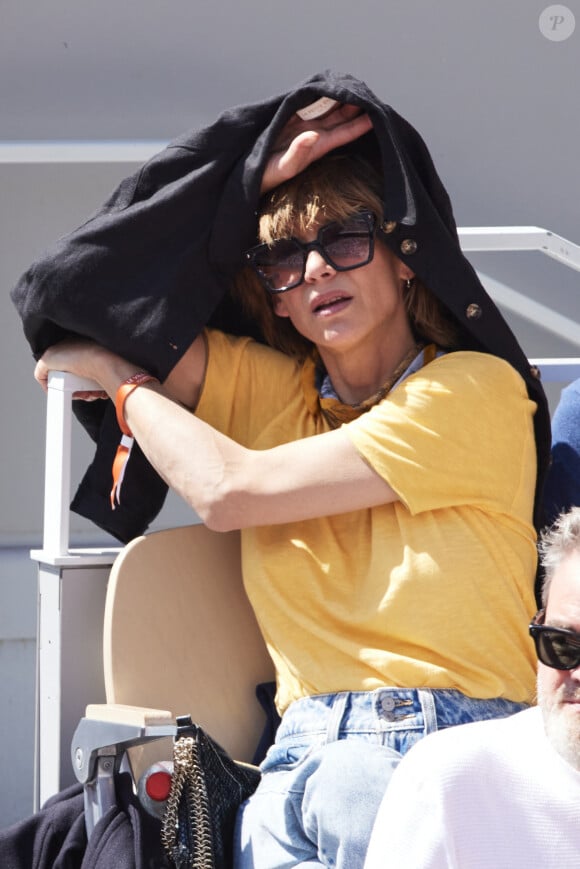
(408, 245)
(473, 311)
(388, 226)
(535, 372)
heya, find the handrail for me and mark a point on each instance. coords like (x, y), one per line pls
(514, 238)
(558, 370)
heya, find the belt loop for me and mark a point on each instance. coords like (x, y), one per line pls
(428, 706)
(336, 714)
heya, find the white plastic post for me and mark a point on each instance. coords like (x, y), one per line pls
(71, 598)
(61, 387)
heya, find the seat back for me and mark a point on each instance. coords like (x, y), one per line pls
(179, 634)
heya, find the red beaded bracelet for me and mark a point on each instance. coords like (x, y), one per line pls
(124, 448)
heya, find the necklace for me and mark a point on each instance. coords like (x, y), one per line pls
(336, 412)
(384, 390)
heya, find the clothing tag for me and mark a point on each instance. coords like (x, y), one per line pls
(119, 467)
(317, 109)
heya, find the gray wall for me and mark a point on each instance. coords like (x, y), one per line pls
(494, 98)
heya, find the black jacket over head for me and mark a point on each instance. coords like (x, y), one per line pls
(154, 265)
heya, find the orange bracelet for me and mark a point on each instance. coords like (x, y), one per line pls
(123, 393)
(124, 448)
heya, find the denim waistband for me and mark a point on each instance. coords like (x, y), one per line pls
(388, 709)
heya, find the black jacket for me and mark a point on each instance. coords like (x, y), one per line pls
(154, 264)
(126, 837)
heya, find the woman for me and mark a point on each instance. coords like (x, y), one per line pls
(386, 515)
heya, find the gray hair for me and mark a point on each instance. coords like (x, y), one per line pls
(561, 539)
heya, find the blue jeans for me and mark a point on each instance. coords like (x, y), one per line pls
(324, 777)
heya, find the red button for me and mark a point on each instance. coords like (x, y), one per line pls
(158, 786)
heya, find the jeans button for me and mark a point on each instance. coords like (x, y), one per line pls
(388, 704)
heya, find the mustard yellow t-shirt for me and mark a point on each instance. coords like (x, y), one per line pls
(433, 591)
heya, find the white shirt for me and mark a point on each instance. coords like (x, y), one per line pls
(487, 795)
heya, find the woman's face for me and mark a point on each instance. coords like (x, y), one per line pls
(342, 311)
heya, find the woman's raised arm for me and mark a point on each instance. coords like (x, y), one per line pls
(228, 485)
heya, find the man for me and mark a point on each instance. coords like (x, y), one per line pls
(503, 793)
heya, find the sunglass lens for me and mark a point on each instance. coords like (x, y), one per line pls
(559, 650)
(281, 265)
(347, 246)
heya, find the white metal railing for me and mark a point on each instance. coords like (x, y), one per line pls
(115, 151)
(514, 238)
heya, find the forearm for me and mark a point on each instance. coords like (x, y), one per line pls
(198, 462)
(230, 486)
(189, 455)
(214, 474)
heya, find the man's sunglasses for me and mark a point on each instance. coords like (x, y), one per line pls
(555, 647)
(281, 266)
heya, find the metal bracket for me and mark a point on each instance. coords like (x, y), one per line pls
(98, 749)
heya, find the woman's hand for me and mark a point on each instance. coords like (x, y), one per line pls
(302, 142)
(85, 359)
(89, 360)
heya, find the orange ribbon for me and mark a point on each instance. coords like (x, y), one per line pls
(127, 439)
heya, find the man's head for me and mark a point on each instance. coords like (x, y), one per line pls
(559, 651)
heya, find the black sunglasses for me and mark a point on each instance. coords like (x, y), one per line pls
(281, 266)
(558, 648)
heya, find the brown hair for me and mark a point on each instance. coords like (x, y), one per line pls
(331, 189)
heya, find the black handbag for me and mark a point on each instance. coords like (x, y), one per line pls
(206, 791)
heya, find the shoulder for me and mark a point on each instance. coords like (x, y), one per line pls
(472, 367)
(223, 342)
(466, 382)
(235, 349)
(241, 372)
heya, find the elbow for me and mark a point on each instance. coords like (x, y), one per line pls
(222, 495)
(219, 520)
(221, 511)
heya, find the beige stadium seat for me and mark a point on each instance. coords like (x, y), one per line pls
(180, 638)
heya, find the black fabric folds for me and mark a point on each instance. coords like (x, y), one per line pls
(153, 266)
(126, 837)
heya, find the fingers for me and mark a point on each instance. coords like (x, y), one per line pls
(291, 161)
(41, 374)
(67, 355)
(301, 142)
(343, 131)
(343, 124)
(341, 114)
(88, 361)
(92, 395)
